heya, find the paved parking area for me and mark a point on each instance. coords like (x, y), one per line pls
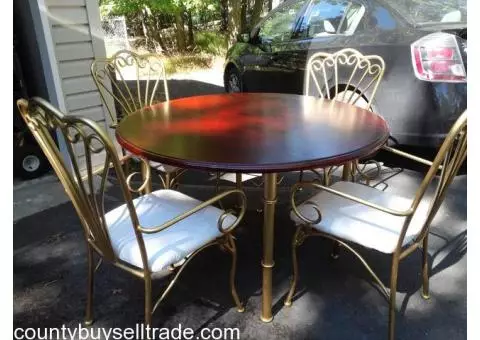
(335, 299)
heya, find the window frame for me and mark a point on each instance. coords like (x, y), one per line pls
(298, 34)
(408, 19)
(254, 33)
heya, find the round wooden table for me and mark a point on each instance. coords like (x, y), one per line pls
(254, 132)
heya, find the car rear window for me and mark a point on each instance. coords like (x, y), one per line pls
(424, 12)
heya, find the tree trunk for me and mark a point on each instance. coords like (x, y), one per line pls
(151, 24)
(180, 31)
(147, 31)
(158, 35)
(143, 19)
(270, 5)
(224, 14)
(257, 11)
(191, 41)
(243, 16)
(161, 42)
(234, 20)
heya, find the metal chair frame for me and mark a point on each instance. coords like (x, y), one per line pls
(448, 161)
(87, 197)
(105, 72)
(327, 70)
(369, 69)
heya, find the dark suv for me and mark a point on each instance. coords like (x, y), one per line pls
(423, 43)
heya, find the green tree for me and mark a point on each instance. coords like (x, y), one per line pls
(151, 13)
(156, 15)
(224, 15)
(234, 20)
(257, 12)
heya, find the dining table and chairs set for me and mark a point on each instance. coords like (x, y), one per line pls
(331, 129)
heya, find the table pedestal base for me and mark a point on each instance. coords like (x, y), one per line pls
(270, 199)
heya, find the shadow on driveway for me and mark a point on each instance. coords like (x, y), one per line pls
(334, 300)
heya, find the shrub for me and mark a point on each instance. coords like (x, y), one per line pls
(187, 62)
(209, 42)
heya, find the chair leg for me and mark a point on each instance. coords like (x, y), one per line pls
(173, 181)
(91, 273)
(393, 294)
(353, 170)
(217, 183)
(293, 283)
(148, 301)
(426, 284)
(233, 270)
(168, 179)
(335, 254)
(326, 176)
(217, 189)
(239, 186)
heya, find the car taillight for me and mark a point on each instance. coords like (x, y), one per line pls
(436, 57)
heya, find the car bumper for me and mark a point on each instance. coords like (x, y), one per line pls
(421, 113)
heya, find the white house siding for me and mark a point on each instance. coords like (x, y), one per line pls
(77, 39)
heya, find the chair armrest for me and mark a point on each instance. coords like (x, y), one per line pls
(299, 185)
(203, 206)
(409, 156)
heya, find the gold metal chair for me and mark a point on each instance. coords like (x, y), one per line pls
(148, 78)
(349, 212)
(350, 77)
(153, 236)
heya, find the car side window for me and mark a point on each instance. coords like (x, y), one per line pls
(328, 17)
(382, 19)
(280, 25)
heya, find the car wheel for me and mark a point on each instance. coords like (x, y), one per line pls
(233, 81)
(30, 162)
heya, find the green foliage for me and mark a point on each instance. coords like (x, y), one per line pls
(211, 43)
(158, 23)
(125, 7)
(187, 62)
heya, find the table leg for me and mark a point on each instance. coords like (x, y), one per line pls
(270, 199)
(239, 185)
(347, 169)
(238, 180)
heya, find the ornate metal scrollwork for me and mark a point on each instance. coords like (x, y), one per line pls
(109, 77)
(297, 212)
(323, 69)
(147, 177)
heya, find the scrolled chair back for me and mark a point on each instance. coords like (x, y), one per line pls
(346, 75)
(446, 165)
(84, 184)
(112, 76)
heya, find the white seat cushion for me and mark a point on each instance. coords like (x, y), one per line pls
(359, 223)
(172, 244)
(232, 177)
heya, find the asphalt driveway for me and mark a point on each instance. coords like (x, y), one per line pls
(335, 299)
